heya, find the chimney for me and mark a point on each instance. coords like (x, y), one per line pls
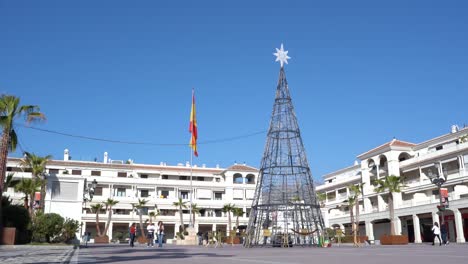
(106, 157)
(66, 155)
(454, 128)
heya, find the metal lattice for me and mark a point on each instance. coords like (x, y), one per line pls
(285, 210)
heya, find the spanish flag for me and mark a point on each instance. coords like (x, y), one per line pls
(193, 126)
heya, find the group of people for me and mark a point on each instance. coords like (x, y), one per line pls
(151, 231)
(438, 232)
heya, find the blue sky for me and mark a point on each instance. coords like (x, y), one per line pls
(361, 73)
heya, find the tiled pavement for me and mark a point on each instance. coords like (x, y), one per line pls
(35, 254)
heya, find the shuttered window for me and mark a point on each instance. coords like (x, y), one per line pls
(65, 190)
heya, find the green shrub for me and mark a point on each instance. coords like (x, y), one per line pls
(17, 216)
(69, 229)
(47, 227)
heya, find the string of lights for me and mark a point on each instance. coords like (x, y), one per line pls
(214, 141)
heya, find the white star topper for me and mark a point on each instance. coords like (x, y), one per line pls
(281, 55)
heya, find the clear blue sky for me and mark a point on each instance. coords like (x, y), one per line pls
(361, 73)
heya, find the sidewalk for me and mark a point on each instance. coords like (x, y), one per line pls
(35, 254)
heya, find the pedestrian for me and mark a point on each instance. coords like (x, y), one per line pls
(436, 232)
(132, 234)
(85, 239)
(200, 238)
(160, 233)
(444, 233)
(150, 235)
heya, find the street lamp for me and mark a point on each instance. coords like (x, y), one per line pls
(439, 181)
(89, 191)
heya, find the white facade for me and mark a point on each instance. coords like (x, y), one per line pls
(416, 206)
(161, 185)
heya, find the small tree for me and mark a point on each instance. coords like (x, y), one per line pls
(357, 190)
(180, 205)
(108, 204)
(96, 209)
(47, 227)
(69, 229)
(351, 202)
(237, 212)
(28, 187)
(195, 210)
(139, 206)
(37, 165)
(228, 208)
(392, 184)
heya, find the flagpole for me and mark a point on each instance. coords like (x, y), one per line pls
(191, 188)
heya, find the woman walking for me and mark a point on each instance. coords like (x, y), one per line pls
(160, 233)
(132, 234)
(436, 231)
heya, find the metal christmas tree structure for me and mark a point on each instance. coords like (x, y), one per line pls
(285, 210)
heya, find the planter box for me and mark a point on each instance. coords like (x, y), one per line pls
(9, 235)
(393, 240)
(101, 240)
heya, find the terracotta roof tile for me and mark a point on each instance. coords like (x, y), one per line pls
(238, 167)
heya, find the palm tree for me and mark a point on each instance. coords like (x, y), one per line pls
(10, 181)
(357, 190)
(28, 187)
(10, 110)
(37, 165)
(351, 202)
(392, 184)
(97, 208)
(195, 210)
(228, 208)
(139, 206)
(153, 215)
(108, 204)
(181, 205)
(237, 212)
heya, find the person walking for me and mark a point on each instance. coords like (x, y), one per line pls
(150, 235)
(436, 232)
(160, 233)
(444, 233)
(132, 234)
(200, 238)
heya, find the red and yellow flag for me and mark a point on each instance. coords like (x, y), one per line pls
(193, 126)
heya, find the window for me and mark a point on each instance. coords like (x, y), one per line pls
(218, 213)
(164, 194)
(183, 178)
(53, 171)
(64, 190)
(184, 195)
(95, 173)
(439, 147)
(76, 172)
(16, 169)
(200, 178)
(144, 193)
(165, 177)
(218, 195)
(120, 192)
(98, 191)
(144, 176)
(218, 180)
(122, 174)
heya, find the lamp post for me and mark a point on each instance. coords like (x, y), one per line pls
(439, 181)
(88, 194)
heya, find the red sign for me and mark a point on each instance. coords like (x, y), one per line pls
(444, 192)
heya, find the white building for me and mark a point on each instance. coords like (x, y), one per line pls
(161, 185)
(416, 206)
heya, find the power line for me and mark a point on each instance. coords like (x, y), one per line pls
(141, 143)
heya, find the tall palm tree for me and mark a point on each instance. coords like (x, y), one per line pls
(238, 212)
(10, 110)
(227, 208)
(108, 204)
(357, 190)
(392, 184)
(180, 205)
(28, 187)
(37, 165)
(195, 210)
(139, 206)
(97, 209)
(351, 202)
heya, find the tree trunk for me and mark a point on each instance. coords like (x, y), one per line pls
(108, 221)
(31, 204)
(353, 229)
(26, 204)
(3, 158)
(237, 222)
(43, 193)
(356, 232)
(98, 229)
(142, 230)
(392, 214)
(193, 218)
(182, 220)
(229, 222)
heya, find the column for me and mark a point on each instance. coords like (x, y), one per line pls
(213, 228)
(367, 205)
(459, 226)
(380, 203)
(416, 229)
(435, 218)
(370, 230)
(378, 170)
(397, 222)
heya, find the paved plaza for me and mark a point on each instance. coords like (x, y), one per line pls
(413, 254)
